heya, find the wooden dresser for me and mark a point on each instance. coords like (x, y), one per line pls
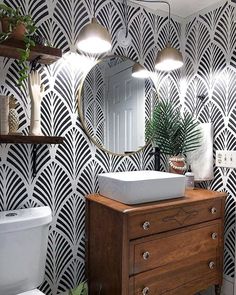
(173, 247)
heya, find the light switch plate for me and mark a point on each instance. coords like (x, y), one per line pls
(226, 159)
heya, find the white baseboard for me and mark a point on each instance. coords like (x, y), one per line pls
(228, 288)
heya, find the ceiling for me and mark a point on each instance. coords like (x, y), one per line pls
(181, 8)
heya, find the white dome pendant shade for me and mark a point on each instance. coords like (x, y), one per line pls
(94, 38)
(138, 71)
(169, 59)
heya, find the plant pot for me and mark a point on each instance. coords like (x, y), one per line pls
(17, 33)
(177, 164)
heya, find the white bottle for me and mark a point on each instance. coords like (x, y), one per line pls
(189, 180)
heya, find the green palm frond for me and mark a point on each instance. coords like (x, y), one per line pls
(172, 132)
(82, 289)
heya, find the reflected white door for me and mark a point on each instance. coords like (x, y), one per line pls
(125, 110)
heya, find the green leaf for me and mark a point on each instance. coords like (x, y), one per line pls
(172, 133)
(14, 18)
(82, 289)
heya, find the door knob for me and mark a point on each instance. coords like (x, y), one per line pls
(211, 265)
(146, 225)
(145, 291)
(214, 236)
(146, 255)
(213, 210)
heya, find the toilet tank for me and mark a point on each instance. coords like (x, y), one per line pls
(23, 246)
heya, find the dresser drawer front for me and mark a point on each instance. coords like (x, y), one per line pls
(151, 223)
(176, 279)
(199, 244)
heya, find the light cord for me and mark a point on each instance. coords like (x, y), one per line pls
(169, 13)
(126, 17)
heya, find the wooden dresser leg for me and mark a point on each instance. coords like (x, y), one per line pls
(217, 289)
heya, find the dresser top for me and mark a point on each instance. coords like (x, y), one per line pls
(190, 197)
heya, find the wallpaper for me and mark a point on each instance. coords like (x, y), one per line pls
(210, 72)
(93, 103)
(67, 172)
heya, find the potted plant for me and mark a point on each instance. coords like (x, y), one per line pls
(174, 133)
(21, 27)
(82, 289)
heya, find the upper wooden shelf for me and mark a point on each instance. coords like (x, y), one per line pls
(31, 139)
(48, 55)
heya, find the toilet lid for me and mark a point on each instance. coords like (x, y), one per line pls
(32, 292)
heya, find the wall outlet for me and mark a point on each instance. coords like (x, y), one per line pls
(226, 159)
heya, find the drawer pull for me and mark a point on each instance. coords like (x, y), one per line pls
(214, 236)
(145, 291)
(146, 225)
(146, 255)
(212, 265)
(213, 210)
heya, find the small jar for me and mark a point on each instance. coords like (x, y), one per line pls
(189, 180)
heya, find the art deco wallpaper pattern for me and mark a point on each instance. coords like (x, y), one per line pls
(210, 71)
(93, 103)
(66, 173)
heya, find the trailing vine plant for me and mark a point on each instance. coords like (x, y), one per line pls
(13, 19)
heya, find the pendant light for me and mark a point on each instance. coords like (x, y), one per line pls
(138, 71)
(169, 58)
(94, 38)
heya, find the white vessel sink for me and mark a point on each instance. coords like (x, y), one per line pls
(136, 187)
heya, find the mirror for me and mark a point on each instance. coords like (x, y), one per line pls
(114, 106)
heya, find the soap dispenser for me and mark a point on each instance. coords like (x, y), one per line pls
(189, 181)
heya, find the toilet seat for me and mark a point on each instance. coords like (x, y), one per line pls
(32, 292)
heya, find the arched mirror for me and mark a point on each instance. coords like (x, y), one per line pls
(114, 106)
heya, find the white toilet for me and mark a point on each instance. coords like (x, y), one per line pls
(23, 246)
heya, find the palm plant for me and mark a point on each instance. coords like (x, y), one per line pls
(82, 289)
(173, 133)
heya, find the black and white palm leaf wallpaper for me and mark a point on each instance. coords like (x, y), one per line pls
(210, 70)
(92, 103)
(68, 172)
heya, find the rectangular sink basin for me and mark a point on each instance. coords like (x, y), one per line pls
(136, 187)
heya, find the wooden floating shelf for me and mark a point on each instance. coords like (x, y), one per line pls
(48, 55)
(28, 139)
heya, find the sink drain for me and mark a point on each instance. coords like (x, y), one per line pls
(11, 214)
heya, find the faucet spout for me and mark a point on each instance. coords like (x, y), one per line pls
(157, 158)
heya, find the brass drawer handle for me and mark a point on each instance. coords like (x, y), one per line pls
(213, 210)
(214, 236)
(146, 255)
(146, 225)
(211, 265)
(145, 291)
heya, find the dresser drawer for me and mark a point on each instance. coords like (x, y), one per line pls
(198, 243)
(163, 220)
(177, 279)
